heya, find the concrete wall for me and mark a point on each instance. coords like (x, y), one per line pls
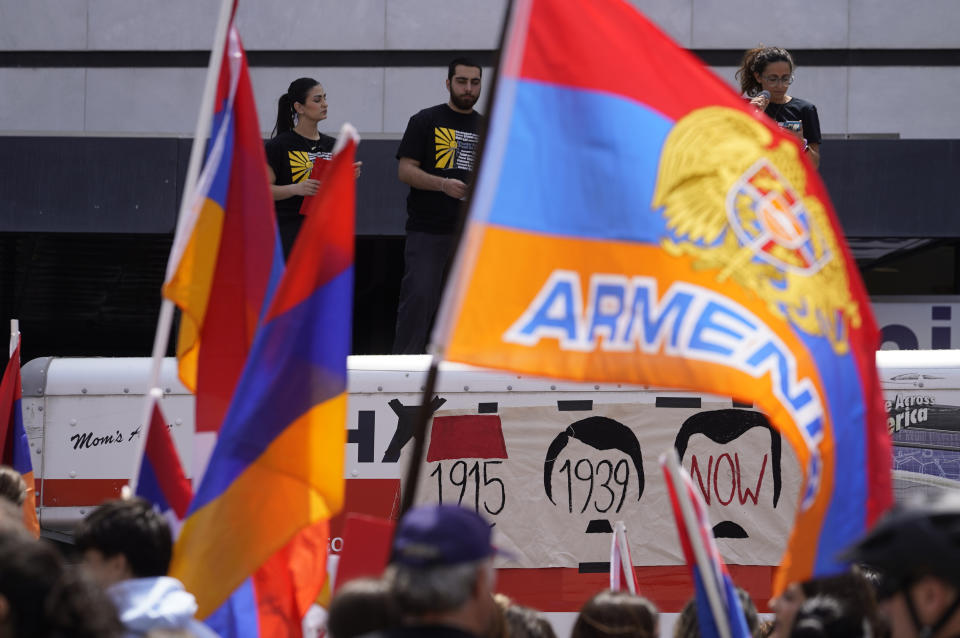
(141, 100)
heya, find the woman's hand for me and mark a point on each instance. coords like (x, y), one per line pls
(356, 168)
(760, 103)
(306, 188)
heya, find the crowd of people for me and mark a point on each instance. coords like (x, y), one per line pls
(113, 583)
(903, 582)
(441, 583)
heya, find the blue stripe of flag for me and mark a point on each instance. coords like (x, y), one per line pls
(293, 366)
(221, 177)
(20, 460)
(846, 514)
(581, 164)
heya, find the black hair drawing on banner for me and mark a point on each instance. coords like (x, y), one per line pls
(601, 433)
(724, 426)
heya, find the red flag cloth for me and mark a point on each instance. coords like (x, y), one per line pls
(366, 547)
(162, 480)
(230, 262)
(15, 450)
(317, 173)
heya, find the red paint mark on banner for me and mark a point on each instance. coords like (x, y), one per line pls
(472, 436)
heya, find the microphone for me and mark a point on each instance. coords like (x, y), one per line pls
(766, 98)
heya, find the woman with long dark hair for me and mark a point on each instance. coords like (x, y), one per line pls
(291, 152)
(771, 69)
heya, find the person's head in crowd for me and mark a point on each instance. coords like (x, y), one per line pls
(522, 622)
(851, 588)
(124, 539)
(361, 606)
(687, 625)
(760, 63)
(617, 613)
(765, 629)
(11, 517)
(126, 545)
(825, 616)
(525, 622)
(42, 597)
(441, 568)
(915, 548)
(12, 486)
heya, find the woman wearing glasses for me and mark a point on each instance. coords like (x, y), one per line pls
(771, 69)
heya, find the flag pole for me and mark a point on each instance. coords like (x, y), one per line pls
(438, 345)
(623, 551)
(419, 437)
(441, 330)
(161, 338)
(14, 335)
(671, 464)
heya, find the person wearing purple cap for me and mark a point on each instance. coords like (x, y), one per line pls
(441, 574)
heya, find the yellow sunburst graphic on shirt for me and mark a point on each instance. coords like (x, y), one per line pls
(446, 141)
(300, 165)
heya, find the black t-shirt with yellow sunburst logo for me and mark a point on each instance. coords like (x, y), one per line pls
(445, 143)
(291, 157)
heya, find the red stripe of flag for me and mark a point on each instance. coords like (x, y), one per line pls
(162, 456)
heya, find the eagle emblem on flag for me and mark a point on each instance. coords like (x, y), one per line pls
(735, 200)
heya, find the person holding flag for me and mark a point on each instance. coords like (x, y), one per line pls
(293, 152)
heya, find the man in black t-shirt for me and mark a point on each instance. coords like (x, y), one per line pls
(436, 157)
